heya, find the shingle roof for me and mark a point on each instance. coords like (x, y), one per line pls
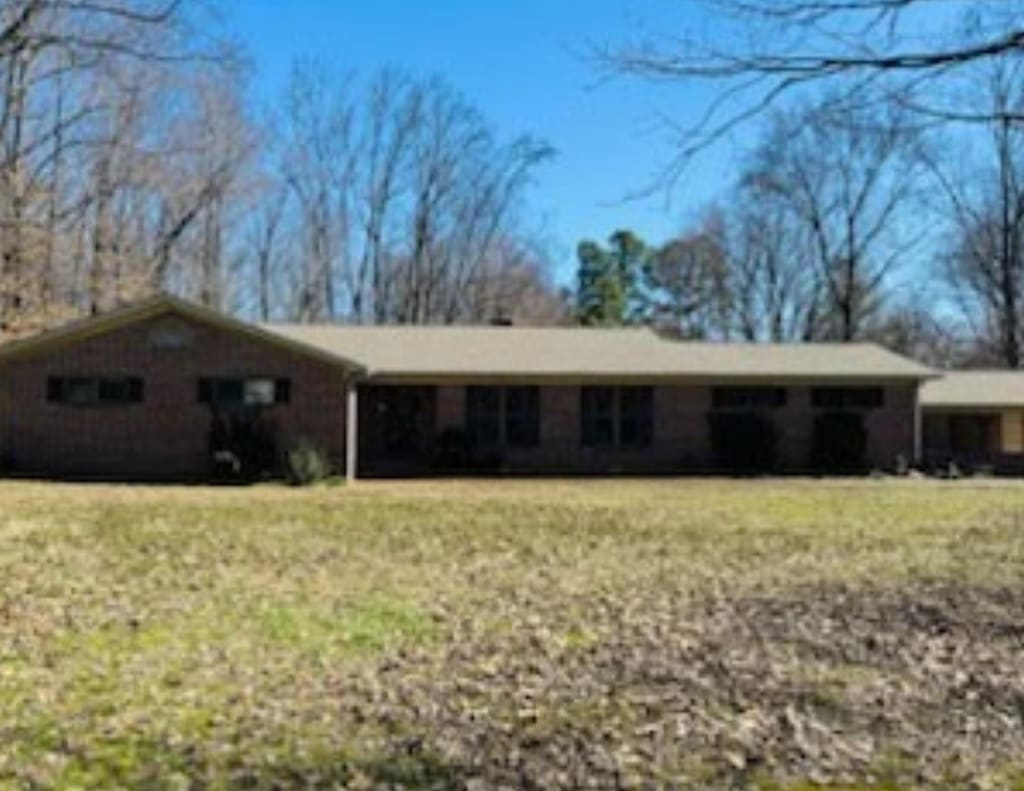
(516, 352)
(975, 389)
(586, 352)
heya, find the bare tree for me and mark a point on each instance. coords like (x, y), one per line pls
(911, 50)
(775, 289)
(401, 199)
(845, 176)
(984, 267)
(85, 92)
(318, 164)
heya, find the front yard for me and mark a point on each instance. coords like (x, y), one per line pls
(634, 634)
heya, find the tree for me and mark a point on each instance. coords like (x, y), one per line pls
(909, 50)
(844, 177)
(984, 267)
(914, 331)
(401, 201)
(129, 162)
(89, 98)
(687, 282)
(775, 290)
(609, 280)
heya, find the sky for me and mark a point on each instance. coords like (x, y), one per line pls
(527, 66)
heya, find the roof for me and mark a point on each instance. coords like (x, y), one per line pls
(578, 352)
(991, 389)
(159, 305)
(571, 353)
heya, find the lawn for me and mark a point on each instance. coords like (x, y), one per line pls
(517, 634)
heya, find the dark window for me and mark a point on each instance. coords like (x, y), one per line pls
(94, 390)
(483, 415)
(503, 416)
(847, 397)
(748, 397)
(253, 391)
(597, 416)
(522, 417)
(283, 391)
(616, 416)
(636, 416)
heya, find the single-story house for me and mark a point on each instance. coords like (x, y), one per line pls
(164, 389)
(975, 419)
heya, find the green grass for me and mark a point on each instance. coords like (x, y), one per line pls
(380, 634)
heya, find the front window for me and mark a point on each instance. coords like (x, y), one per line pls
(848, 397)
(611, 416)
(483, 415)
(748, 397)
(236, 391)
(503, 416)
(94, 390)
(522, 417)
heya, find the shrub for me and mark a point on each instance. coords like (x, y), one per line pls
(744, 442)
(306, 463)
(840, 442)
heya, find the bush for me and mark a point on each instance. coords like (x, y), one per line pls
(840, 442)
(744, 442)
(306, 463)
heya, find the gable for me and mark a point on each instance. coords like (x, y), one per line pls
(159, 323)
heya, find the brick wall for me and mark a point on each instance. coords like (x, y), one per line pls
(681, 440)
(166, 436)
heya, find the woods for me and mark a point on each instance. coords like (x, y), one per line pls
(131, 161)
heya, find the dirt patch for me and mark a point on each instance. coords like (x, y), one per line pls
(826, 684)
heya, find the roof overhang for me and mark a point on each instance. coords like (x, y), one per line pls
(385, 377)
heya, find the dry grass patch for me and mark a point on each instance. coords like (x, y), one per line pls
(785, 635)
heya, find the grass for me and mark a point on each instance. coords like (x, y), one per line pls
(425, 635)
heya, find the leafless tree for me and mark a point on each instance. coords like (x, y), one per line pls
(86, 90)
(403, 202)
(758, 53)
(845, 176)
(775, 289)
(984, 200)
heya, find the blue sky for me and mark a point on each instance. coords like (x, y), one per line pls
(525, 65)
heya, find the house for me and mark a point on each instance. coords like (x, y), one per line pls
(975, 419)
(162, 389)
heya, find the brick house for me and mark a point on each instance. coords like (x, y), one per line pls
(148, 392)
(975, 419)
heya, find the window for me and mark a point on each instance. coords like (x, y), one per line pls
(847, 397)
(522, 417)
(597, 416)
(94, 390)
(256, 391)
(636, 418)
(503, 416)
(748, 397)
(483, 415)
(616, 416)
